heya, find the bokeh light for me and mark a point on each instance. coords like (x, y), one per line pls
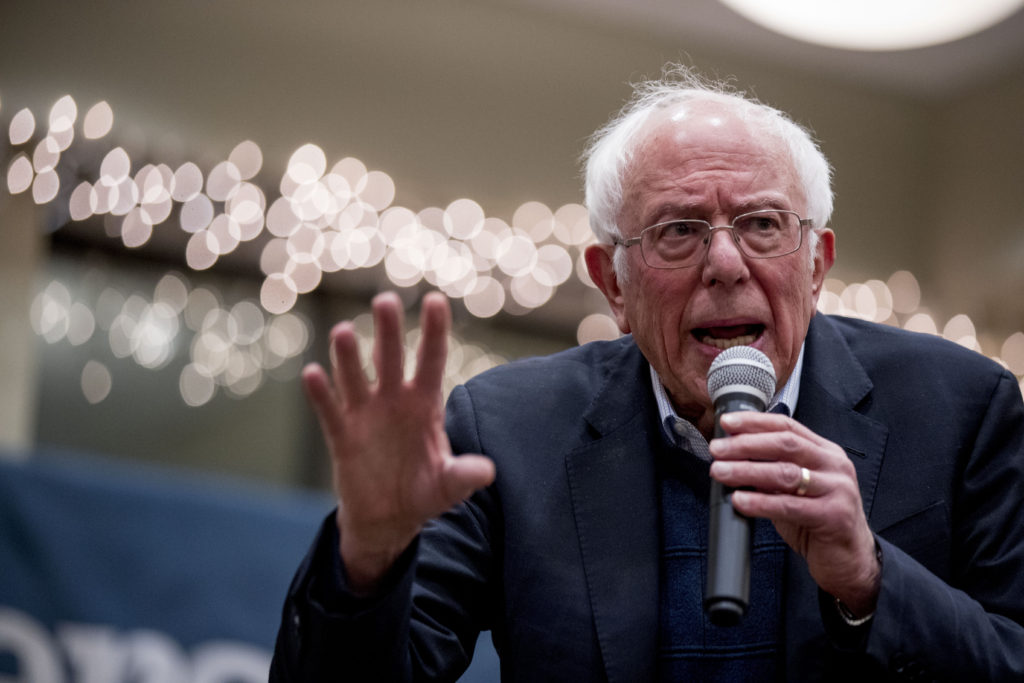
(98, 121)
(22, 127)
(228, 348)
(323, 217)
(96, 381)
(596, 327)
(19, 174)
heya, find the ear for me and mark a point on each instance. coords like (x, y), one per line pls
(824, 257)
(600, 265)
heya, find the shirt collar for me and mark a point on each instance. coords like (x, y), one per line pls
(683, 434)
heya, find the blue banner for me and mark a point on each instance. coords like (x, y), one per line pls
(113, 572)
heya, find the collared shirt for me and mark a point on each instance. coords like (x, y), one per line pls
(683, 434)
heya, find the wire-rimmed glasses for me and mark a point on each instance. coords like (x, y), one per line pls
(682, 243)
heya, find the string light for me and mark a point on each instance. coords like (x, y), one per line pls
(230, 348)
(332, 218)
(325, 218)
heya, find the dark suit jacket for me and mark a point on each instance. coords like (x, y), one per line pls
(559, 557)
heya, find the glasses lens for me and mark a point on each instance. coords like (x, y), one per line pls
(764, 234)
(674, 244)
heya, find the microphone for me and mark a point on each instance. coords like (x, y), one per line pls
(740, 378)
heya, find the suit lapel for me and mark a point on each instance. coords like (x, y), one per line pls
(613, 489)
(832, 387)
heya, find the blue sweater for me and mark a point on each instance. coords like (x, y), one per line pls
(690, 647)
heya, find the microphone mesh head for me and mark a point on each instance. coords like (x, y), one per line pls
(741, 367)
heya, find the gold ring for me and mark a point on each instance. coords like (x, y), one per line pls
(805, 481)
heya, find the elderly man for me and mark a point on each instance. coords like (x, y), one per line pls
(562, 502)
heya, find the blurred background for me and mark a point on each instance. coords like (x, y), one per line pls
(194, 192)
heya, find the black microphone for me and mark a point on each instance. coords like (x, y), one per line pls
(740, 378)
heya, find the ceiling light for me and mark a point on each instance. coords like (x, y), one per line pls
(876, 24)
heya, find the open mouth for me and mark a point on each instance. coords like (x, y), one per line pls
(727, 337)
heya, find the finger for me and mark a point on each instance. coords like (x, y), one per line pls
(316, 385)
(388, 349)
(321, 396)
(349, 377)
(752, 422)
(771, 477)
(784, 443)
(435, 321)
(801, 511)
(464, 474)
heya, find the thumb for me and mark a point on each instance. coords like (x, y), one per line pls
(464, 474)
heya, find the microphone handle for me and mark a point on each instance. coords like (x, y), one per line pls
(730, 539)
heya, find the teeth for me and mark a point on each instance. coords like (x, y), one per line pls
(728, 343)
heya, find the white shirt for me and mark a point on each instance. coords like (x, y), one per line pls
(685, 435)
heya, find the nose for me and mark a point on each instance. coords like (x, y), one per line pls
(724, 263)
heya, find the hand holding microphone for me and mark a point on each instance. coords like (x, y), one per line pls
(804, 483)
(740, 378)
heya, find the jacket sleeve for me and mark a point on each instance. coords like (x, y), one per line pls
(969, 626)
(327, 634)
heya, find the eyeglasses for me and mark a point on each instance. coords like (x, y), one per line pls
(768, 233)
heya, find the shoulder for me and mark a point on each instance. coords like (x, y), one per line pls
(555, 394)
(588, 365)
(891, 352)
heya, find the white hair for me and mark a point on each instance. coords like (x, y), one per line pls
(613, 146)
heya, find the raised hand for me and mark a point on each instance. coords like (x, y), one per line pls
(392, 465)
(808, 487)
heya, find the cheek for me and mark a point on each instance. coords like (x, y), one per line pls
(793, 305)
(656, 308)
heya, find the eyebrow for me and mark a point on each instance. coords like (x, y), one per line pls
(673, 211)
(778, 203)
